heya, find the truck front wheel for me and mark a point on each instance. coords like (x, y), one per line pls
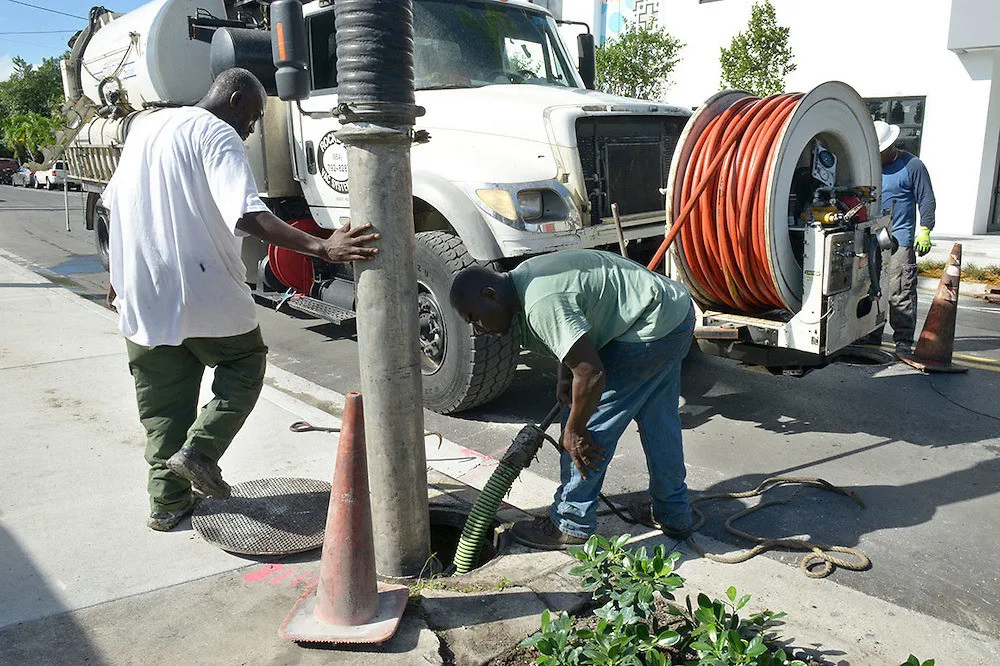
(461, 370)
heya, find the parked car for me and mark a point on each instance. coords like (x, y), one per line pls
(54, 177)
(23, 177)
(7, 168)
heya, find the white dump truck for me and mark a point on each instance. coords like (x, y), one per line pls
(516, 155)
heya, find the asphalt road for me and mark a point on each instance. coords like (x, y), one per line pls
(926, 466)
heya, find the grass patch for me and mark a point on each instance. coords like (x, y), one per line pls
(971, 273)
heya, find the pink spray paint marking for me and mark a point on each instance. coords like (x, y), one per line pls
(265, 571)
(278, 574)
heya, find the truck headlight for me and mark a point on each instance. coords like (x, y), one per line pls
(530, 204)
(499, 202)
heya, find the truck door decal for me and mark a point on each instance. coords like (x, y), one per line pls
(333, 162)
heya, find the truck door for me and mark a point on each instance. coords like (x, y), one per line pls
(320, 159)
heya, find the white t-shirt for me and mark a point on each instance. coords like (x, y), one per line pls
(182, 183)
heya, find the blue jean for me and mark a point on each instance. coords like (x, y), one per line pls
(642, 383)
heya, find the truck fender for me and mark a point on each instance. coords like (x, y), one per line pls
(460, 212)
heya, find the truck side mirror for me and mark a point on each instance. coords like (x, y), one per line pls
(289, 50)
(588, 59)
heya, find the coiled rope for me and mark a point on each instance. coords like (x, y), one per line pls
(723, 215)
(818, 554)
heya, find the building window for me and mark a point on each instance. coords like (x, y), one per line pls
(907, 112)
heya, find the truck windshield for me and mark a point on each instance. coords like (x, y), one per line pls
(472, 44)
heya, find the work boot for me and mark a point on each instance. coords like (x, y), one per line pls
(200, 470)
(164, 521)
(541, 533)
(641, 511)
(904, 349)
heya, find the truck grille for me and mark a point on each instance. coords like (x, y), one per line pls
(626, 160)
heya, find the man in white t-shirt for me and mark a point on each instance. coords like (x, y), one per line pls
(181, 197)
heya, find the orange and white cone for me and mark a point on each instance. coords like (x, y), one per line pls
(937, 339)
(348, 605)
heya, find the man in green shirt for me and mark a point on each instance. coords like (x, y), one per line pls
(620, 333)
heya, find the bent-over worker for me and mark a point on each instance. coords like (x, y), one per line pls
(620, 333)
(179, 201)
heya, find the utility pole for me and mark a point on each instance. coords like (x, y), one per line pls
(377, 113)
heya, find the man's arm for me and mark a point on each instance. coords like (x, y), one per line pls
(588, 385)
(343, 245)
(923, 192)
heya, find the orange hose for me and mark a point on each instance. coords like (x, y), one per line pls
(722, 203)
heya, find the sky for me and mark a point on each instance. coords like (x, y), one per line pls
(15, 17)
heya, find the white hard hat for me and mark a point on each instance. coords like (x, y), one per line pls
(886, 133)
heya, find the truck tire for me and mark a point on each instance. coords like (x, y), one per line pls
(461, 370)
(97, 219)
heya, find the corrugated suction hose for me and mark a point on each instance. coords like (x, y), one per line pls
(480, 521)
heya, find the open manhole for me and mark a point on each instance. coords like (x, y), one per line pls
(446, 530)
(862, 355)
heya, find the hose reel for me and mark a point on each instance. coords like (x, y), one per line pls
(749, 174)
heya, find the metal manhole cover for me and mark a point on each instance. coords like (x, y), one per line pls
(266, 517)
(864, 355)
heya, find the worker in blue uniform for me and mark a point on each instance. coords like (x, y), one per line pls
(906, 187)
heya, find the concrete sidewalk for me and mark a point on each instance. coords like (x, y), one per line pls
(83, 580)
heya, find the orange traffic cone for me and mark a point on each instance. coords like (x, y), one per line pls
(937, 339)
(348, 605)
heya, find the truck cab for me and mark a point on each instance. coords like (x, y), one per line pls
(514, 157)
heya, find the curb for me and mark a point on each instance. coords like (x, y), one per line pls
(972, 289)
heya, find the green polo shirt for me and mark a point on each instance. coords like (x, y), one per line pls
(567, 294)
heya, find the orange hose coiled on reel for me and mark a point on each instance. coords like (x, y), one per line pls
(722, 203)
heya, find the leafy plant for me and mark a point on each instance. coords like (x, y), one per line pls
(913, 661)
(758, 59)
(557, 642)
(638, 62)
(629, 631)
(628, 580)
(722, 638)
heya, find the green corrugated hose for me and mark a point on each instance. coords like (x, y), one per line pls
(480, 521)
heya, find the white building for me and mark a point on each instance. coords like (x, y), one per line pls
(931, 66)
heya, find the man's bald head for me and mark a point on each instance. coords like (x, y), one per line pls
(237, 97)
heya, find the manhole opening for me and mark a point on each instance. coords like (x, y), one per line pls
(865, 356)
(446, 530)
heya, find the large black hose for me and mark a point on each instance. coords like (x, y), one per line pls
(375, 60)
(480, 521)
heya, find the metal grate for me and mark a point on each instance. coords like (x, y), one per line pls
(266, 517)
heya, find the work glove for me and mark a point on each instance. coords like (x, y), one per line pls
(922, 243)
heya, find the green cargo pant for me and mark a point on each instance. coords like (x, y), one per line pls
(167, 382)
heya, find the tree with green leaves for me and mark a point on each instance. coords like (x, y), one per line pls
(25, 133)
(638, 62)
(32, 89)
(758, 59)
